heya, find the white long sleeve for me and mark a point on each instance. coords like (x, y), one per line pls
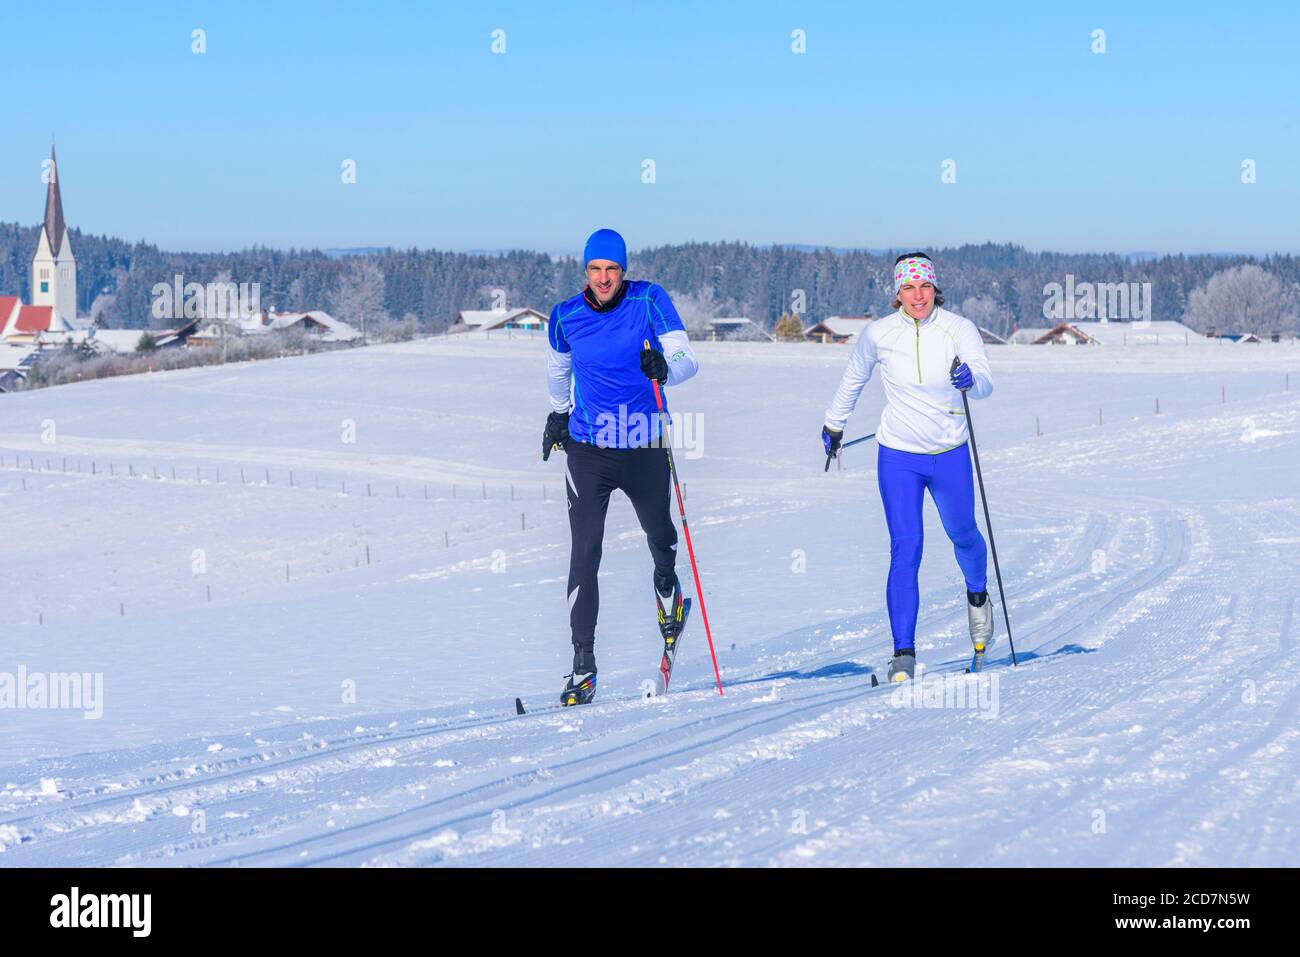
(857, 374)
(559, 380)
(970, 349)
(682, 363)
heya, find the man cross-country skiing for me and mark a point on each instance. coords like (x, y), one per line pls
(922, 443)
(610, 432)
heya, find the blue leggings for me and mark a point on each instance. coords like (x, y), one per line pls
(904, 477)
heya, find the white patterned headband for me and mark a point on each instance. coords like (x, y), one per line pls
(916, 269)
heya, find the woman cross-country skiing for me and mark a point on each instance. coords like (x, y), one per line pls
(922, 440)
(610, 431)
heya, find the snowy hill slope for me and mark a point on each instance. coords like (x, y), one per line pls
(1150, 562)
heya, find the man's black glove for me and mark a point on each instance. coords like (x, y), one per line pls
(556, 434)
(831, 439)
(654, 365)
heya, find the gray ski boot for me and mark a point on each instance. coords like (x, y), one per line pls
(903, 666)
(980, 612)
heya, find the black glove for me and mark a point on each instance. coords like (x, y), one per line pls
(556, 434)
(654, 365)
(831, 439)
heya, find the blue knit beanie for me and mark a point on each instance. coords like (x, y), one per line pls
(606, 244)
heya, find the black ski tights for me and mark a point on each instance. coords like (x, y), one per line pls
(591, 474)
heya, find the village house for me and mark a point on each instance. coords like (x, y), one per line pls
(837, 329)
(1064, 334)
(1134, 334)
(315, 323)
(484, 320)
(737, 328)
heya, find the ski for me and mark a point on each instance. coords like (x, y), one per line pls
(522, 709)
(977, 659)
(672, 635)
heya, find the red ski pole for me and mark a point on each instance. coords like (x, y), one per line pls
(686, 529)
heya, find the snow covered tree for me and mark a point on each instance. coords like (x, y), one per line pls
(359, 297)
(987, 313)
(1244, 298)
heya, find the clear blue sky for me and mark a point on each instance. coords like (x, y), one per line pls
(1056, 147)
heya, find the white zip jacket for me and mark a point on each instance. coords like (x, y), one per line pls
(923, 412)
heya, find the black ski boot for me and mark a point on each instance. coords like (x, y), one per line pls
(668, 597)
(673, 612)
(580, 687)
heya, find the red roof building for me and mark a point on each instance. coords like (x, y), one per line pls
(9, 306)
(35, 319)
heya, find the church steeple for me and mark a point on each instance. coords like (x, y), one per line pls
(54, 268)
(54, 225)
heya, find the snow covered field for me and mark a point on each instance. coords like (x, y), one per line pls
(324, 671)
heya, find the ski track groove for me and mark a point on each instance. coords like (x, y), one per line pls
(1083, 545)
(1167, 536)
(1146, 581)
(1283, 720)
(481, 791)
(339, 745)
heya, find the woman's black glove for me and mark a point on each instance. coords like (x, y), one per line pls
(556, 434)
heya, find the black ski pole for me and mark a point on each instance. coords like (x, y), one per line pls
(987, 522)
(844, 446)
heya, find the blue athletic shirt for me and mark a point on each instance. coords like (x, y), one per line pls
(608, 384)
